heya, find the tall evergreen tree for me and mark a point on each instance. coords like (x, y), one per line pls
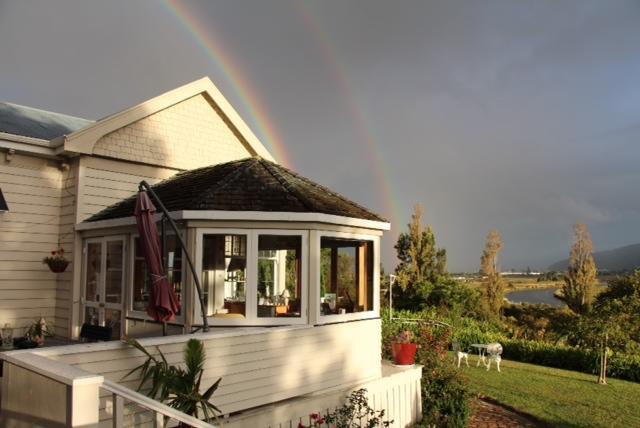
(489, 267)
(420, 260)
(580, 279)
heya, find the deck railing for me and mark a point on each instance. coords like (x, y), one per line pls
(161, 414)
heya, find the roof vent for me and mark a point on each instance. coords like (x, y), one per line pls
(3, 203)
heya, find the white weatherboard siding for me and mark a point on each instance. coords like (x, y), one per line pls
(105, 182)
(257, 366)
(397, 393)
(67, 239)
(29, 232)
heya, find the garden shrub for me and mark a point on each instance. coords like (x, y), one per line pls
(621, 366)
(445, 392)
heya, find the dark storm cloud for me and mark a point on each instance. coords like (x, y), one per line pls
(516, 115)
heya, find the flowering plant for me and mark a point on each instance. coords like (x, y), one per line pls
(56, 261)
(406, 336)
(354, 413)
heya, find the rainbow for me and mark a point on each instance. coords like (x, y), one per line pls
(223, 61)
(371, 145)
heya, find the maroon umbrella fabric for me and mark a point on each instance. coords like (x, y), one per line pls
(163, 303)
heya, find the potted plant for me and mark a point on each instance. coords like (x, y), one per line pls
(177, 386)
(38, 331)
(56, 261)
(404, 349)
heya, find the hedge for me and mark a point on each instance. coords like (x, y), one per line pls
(621, 366)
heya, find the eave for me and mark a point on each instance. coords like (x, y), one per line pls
(293, 217)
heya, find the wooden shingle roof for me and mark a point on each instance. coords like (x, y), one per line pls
(251, 184)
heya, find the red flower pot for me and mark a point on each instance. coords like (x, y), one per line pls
(404, 354)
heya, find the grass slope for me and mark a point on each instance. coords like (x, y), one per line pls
(560, 398)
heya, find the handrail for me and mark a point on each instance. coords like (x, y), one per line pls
(145, 186)
(160, 410)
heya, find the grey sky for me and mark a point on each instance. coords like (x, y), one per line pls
(521, 116)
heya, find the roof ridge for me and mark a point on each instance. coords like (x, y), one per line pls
(228, 179)
(288, 186)
(328, 190)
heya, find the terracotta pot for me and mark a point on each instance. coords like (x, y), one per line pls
(58, 266)
(404, 354)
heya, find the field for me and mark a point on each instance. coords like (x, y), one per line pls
(559, 398)
(516, 283)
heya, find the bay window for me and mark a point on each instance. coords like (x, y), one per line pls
(346, 275)
(255, 277)
(279, 280)
(224, 274)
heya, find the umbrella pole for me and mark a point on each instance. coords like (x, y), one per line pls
(145, 186)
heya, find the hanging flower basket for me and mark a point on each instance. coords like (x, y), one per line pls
(56, 261)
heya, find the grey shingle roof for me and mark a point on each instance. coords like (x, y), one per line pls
(251, 184)
(30, 122)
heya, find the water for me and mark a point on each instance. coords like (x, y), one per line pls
(536, 296)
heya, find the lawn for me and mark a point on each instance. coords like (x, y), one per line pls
(560, 398)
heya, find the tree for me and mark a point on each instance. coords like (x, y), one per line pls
(420, 260)
(493, 283)
(580, 279)
(422, 268)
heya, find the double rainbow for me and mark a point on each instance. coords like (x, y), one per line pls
(222, 60)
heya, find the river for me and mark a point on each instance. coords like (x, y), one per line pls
(535, 296)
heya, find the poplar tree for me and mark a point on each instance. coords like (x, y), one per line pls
(581, 276)
(493, 283)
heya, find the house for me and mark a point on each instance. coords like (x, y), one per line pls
(289, 269)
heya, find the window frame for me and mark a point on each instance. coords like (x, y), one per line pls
(142, 315)
(251, 288)
(317, 318)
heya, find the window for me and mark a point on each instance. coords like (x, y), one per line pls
(346, 276)
(224, 273)
(141, 277)
(279, 276)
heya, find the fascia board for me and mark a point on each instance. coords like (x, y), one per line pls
(245, 216)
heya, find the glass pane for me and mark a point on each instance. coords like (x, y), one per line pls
(346, 276)
(112, 319)
(141, 279)
(279, 282)
(224, 273)
(91, 316)
(113, 286)
(94, 266)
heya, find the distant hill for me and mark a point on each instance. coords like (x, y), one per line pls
(616, 260)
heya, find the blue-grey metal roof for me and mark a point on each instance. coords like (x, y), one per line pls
(31, 122)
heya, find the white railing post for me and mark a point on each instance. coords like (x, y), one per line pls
(158, 420)
(118, 411)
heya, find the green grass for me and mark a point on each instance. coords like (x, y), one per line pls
(560, 398)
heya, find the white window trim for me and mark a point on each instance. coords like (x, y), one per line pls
(142, 315)
(251, 290)
(316, 317)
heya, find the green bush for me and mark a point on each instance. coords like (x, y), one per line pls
(621, 366)
(445, 392)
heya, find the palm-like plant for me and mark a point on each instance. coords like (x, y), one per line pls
(178, 387)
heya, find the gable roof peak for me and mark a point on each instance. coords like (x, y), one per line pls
(83, 141)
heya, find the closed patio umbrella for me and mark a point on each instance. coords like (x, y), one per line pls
(163, 303)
